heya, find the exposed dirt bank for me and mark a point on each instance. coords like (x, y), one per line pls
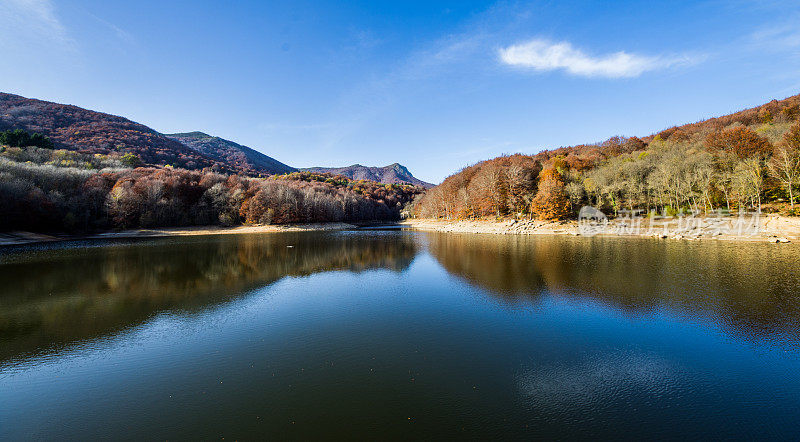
(770, 228)
(13, 238)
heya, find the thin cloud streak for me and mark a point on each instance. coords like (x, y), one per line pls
(123, 35)
(778, 37)
(543, 55)
(32, 24)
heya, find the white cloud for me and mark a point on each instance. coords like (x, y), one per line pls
(543, 55)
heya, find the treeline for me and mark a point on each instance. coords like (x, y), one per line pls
(45, 190)
(745, 161)
(67, 158)
(394, 196)
(21, 138)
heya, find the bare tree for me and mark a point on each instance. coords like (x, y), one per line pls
(748, 181)
(785, 166)
(575, 192)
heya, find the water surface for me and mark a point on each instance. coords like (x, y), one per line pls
(395, 334)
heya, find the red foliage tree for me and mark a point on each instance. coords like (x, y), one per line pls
(741, 140)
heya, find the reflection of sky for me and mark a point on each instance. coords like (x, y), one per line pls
(596, 378)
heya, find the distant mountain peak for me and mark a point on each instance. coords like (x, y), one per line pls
(398, 166)
(394, 173)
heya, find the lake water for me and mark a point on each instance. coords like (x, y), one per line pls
(397, 334)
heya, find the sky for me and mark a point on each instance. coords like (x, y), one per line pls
(435, 86)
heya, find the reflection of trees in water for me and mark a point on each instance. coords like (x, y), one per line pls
(751, 289)
(506, 267)
(59, 296)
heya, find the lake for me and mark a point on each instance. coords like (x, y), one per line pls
(397, 334)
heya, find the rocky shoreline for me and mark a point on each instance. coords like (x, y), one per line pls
(771, 228)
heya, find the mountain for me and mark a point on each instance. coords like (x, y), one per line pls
(235, 155)
(74, 128)
(391, 174)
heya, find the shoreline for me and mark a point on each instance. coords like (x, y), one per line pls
(26, 238)
(773, 228)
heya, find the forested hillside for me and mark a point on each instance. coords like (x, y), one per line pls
(234, 155)
(75, 128)
(749, 160)
(57, 190)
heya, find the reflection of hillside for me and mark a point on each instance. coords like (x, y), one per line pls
(60, 296)
(505, 267)
(751, 289)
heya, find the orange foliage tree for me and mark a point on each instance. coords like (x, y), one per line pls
(550, 202)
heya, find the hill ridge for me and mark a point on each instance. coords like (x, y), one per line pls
(220, 149)
(394, 173)
(75, 128)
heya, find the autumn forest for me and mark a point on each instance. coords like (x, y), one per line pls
(749, 160)
(60, 190)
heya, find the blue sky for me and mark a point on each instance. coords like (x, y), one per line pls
(433, 85)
